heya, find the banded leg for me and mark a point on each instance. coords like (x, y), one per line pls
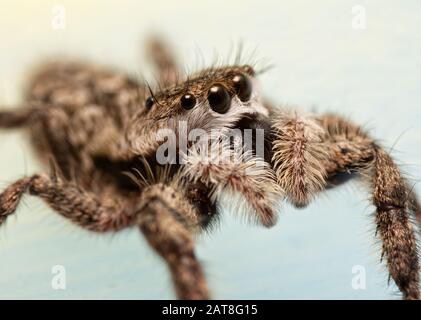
(353, 151)
(166, 219)
(305, 157)
(225, 170)
(163, 215)
(82, 208)
(298, 157)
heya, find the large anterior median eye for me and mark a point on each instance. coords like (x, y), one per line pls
(242, 87)
(219, 98)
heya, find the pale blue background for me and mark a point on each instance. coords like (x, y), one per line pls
(321, 63)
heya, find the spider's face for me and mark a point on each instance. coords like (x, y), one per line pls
(213, 99)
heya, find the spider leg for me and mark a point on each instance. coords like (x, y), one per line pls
(166, 219)
(161, 54)
(298, 156)
(164, 216)
(225, 170)
(353, 151)
(18, 117)
(82, 208)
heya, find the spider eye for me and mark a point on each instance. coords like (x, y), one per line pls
(149, 103)
(242, 87)
(188, 101)
(219, 98)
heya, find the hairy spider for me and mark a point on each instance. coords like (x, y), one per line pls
(101, 133)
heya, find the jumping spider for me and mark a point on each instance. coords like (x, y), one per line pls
(98, 129)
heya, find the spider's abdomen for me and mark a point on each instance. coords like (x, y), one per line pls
(79, 113)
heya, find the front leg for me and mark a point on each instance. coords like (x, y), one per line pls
(352, 150)
(225, 170)
(298, 156)
(304, 168)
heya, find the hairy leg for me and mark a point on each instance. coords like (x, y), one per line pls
(343, 136)
(167, 220)
(298, 156)
(82, 208)
(352, 150)
(163, 214)
(308, 152)
(18, 117)
(225, 170)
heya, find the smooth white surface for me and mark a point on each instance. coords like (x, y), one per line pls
(321, 64)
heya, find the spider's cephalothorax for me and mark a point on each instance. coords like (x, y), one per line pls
(103, 133)
(213, 99)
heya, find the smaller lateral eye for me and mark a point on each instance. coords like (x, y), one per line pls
(149, 103)
(188, 101)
